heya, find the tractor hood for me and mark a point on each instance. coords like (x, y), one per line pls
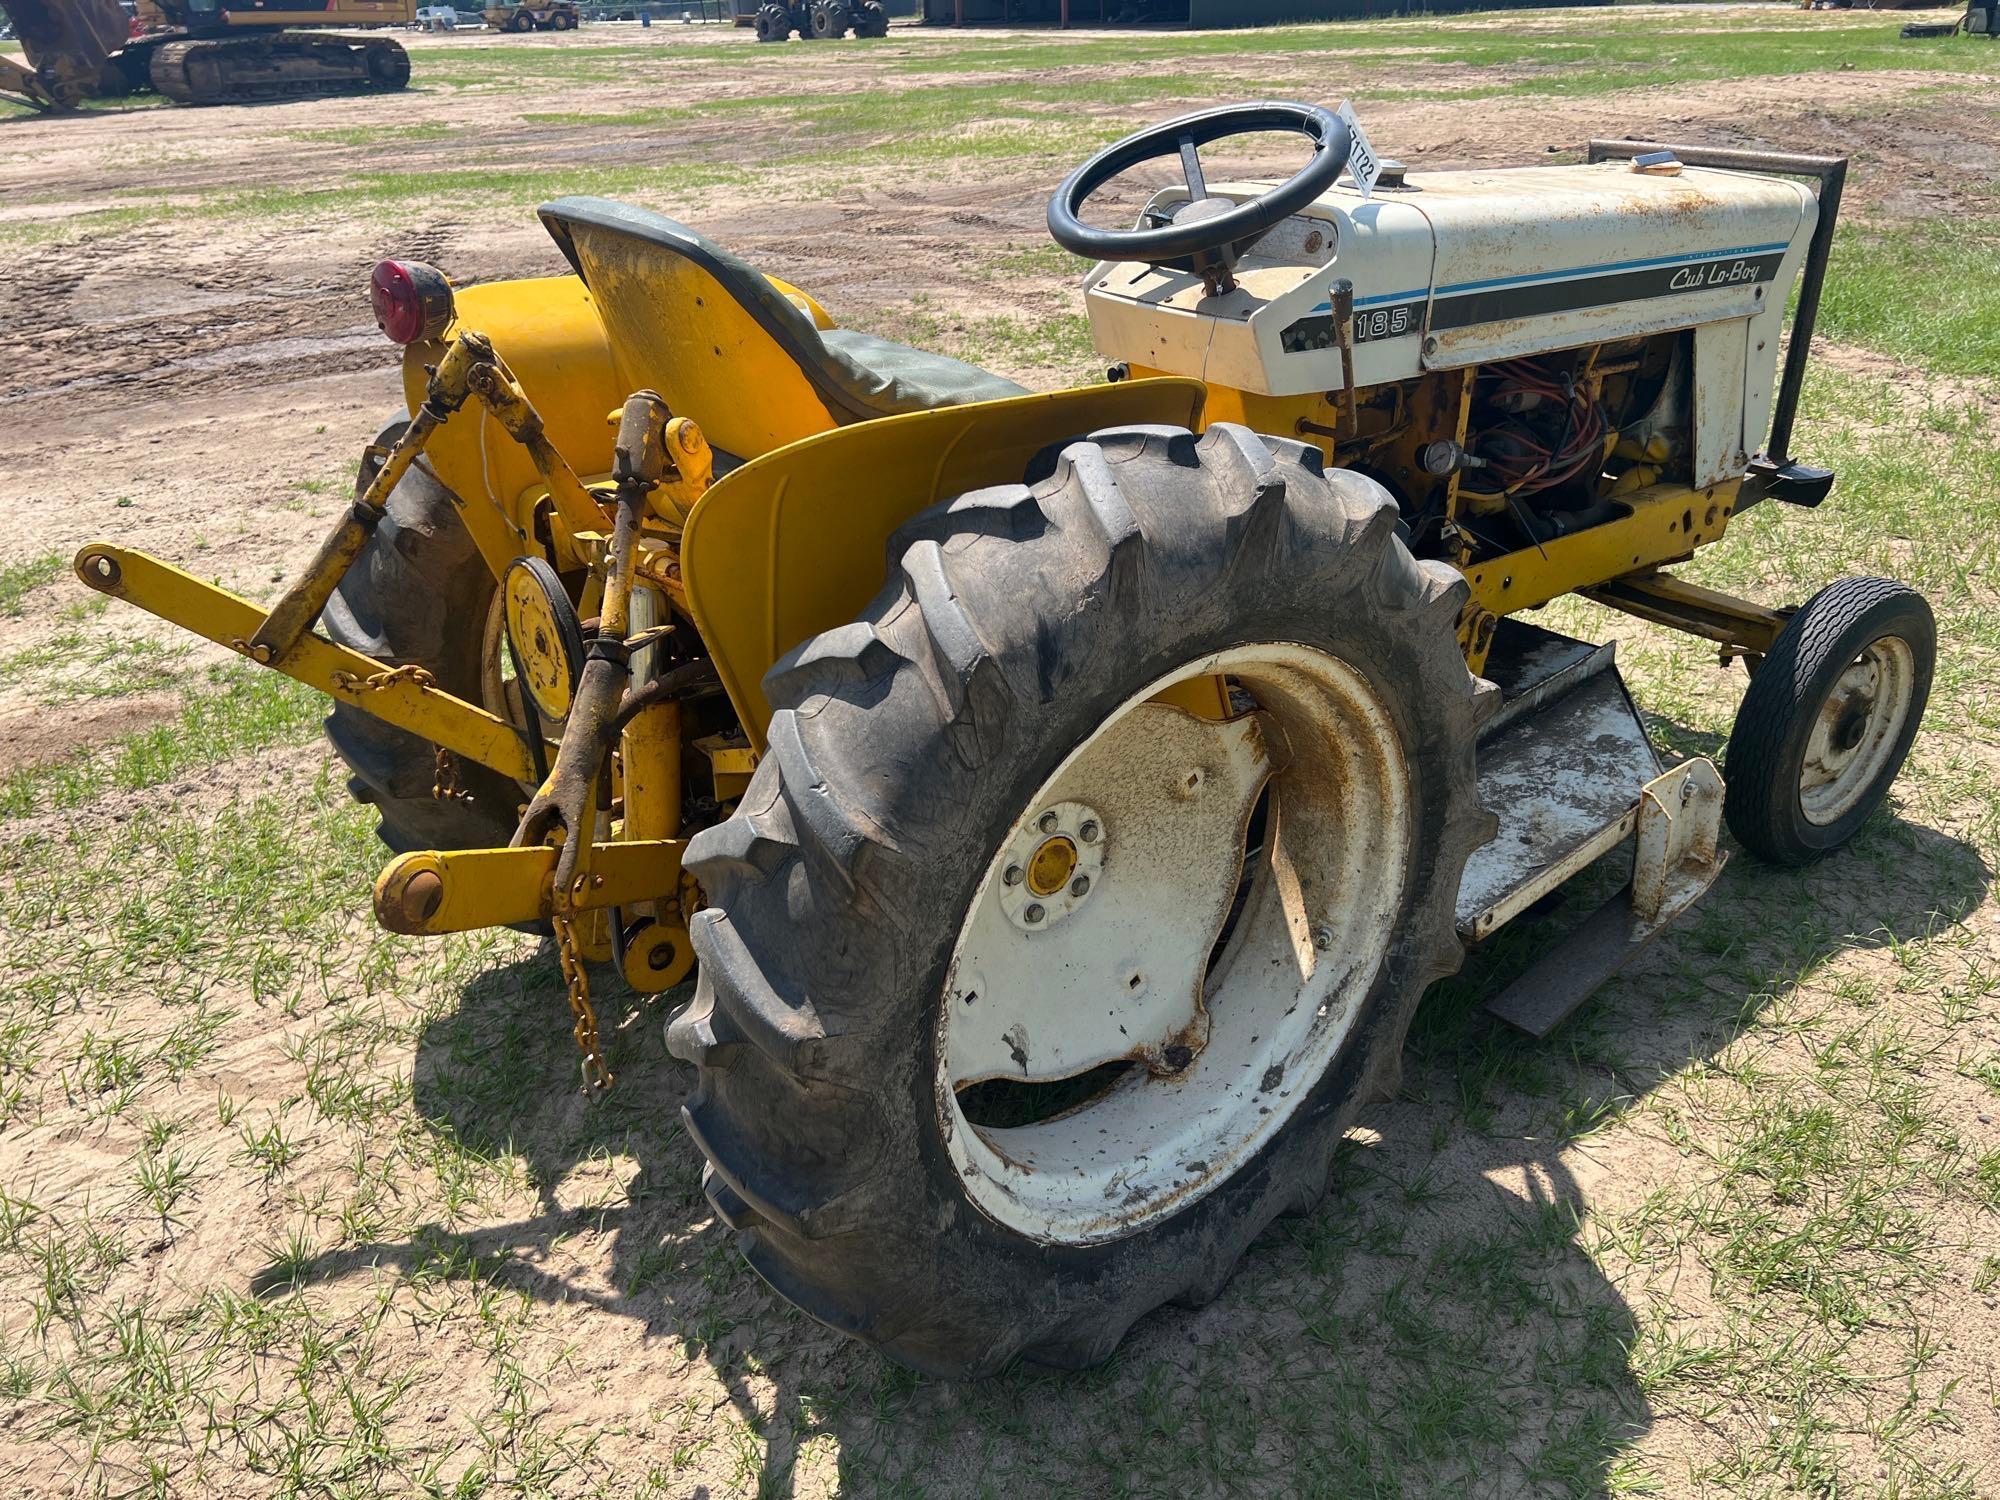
(1458, 268)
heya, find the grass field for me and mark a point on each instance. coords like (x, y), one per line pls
(292, 1206)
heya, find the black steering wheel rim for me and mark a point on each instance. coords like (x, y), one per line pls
(1218, 239)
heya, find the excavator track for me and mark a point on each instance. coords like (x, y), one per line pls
(276, 65)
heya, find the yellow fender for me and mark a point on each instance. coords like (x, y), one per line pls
(792, 543)
(549, 332)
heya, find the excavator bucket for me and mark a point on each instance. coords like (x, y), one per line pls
(69, 46)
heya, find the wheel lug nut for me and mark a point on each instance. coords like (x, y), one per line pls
(1047, 823)
(1322, 938)
(1034, 912)
(1089, 832)
(1013, 875)
(1080, 885)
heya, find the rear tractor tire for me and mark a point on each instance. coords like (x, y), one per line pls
(828, 20)
(870, 19)
(1028, 999)
(417, 594)
(1828, 719)
(774, 23)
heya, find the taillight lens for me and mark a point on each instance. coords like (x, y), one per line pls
(412, 301)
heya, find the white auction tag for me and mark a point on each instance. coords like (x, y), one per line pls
(1361, 159)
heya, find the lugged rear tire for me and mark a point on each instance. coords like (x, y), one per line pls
(827, 20)
(418, 593)
(905, 747)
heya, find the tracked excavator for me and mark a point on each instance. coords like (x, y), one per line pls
(200, 51)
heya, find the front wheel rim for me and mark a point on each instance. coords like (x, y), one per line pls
(1181, 927)
(1857, 730)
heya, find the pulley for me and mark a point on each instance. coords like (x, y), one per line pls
(545, 636)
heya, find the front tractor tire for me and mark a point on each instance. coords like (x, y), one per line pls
(417, 595)
(774, 23)
(1029, 997)
(1828, 719)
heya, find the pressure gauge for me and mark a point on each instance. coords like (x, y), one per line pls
(1446, 457)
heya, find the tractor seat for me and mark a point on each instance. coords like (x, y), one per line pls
(726, 346)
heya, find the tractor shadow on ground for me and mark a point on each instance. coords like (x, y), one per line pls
(1432, 1325)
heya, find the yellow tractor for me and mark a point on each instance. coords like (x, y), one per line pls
(1067, 797)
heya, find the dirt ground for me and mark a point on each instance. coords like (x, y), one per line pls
(192, 368)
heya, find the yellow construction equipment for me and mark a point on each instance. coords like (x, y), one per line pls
(1067, 797)
(199, 51)
(532, 15)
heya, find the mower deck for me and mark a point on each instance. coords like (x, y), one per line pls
(1566, 765)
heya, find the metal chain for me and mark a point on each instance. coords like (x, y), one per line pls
(597, 1077)
(374, 682)
(445, 785)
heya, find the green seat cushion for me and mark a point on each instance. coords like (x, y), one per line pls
(858, 376)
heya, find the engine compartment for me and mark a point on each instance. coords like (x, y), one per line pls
(1511, 353)
(1551, 444)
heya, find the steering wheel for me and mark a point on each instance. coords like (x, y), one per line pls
(1212, 233)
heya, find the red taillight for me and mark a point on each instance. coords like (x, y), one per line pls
(412, 300)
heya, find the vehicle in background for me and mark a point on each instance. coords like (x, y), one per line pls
(533, 15)
(1981, 18)
(821, 20)
(198, 52)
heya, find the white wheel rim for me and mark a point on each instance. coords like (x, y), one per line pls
(1219, 1045)
(1856, 731)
